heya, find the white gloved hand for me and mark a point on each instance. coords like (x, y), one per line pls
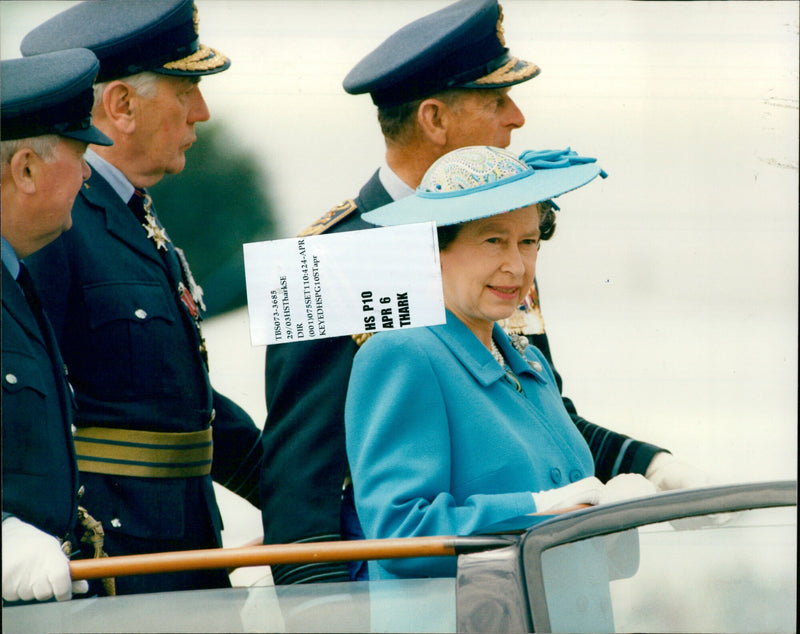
(667, 473)
(626, 486)
(585, 491)
(34, 566)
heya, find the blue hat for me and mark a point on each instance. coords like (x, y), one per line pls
(480, 181)
(460, 46)
(49, 94)
(130, 36)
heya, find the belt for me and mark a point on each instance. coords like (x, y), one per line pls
(143, 454)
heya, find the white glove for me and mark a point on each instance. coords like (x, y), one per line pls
(585, 491)
(34, 566)
(626, 486)
(667, 473)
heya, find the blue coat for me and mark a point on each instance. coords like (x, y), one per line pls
(305, 392)
(40, 477)
(440, 443)
(135, 361)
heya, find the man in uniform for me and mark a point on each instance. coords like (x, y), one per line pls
(439, 83)
(46, 106)
(125, 306)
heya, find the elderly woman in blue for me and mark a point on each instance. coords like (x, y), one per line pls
(454, 427)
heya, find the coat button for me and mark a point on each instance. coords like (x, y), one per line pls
(555, 475)
(116, 523)
(575, 475)
(141, 313)
(11, 379)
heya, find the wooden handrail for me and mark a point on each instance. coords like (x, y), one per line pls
(315, 552)
(273, 554)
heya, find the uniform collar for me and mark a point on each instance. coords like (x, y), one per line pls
(111, 174)
(393, 184)
(475, 357)
(10, 259)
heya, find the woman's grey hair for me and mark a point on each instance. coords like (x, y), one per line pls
(44, 146)
(143, 83)
(547, 226)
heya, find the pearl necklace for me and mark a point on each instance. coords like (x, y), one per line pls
(497, 355)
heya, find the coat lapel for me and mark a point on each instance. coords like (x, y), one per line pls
(475, 357)
(18, 308)
(120, 221)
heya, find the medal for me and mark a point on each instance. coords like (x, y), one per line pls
(155, 232)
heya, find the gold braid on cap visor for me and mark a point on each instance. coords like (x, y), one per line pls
(502, 74)
(205, 58)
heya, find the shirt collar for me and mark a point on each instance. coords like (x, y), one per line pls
(112, 175)
(9, 256)
(393, 184)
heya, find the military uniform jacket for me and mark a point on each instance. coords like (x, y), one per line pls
(304, 448)
(136, 363)
(40, 477)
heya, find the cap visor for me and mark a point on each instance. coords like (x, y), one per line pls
(206, 61)
(89, 135)
(465, 205)
(515, 71)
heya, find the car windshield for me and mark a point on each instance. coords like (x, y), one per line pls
(737, 573)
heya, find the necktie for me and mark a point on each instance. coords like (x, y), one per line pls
(26, 283)
(136, 204)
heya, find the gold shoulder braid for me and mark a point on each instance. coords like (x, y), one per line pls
(362, 338)
(334, 216)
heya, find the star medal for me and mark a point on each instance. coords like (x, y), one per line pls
(155, 232)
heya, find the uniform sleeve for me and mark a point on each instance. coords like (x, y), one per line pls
(304, 454)
(238, 454)
(613, 453)
(398, 444)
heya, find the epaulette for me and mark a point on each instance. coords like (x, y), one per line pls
(334, 216)
(361, 339)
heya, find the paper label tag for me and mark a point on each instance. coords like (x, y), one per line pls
(328, 285)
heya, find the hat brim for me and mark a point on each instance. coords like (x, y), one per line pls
(465, 205)
(89, 135)
(514, 71)
(206, 61)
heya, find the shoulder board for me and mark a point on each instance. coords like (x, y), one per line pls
(361, 339)
(334, 216)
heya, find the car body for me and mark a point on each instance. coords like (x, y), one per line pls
(718, 559)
